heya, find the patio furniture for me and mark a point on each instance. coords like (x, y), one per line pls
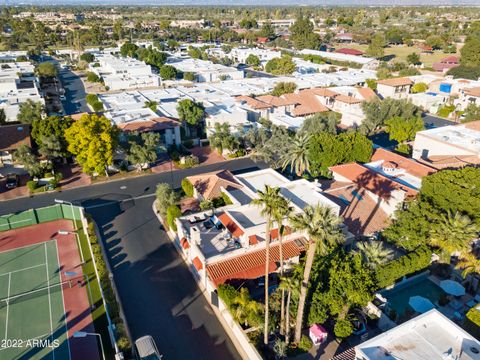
(458, 316)
(420, 304)
(471, 303)
(456, 305)
(477, 298)
(452, 287)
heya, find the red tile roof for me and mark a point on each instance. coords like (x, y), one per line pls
(475, 91)
(451, 60)
(230, 225)
(395, 82)
(360, 213)
(277, 101)
(378, 184)
(309, 103)
(13, 136)
(252, 264)
(367, 94)
(253, 102)
(411, 166)
(209, 184)
(349, 51)
(197, 263)
(156, 124)
(184, 243)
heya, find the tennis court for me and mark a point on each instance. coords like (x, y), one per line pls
(32, 311)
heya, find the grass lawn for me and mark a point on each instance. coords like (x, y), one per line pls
(401, 53)
(99, 315)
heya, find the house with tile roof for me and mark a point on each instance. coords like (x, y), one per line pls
(467, 96)
(446, 63)
(11, 138)
(397, 88)
(229, 243)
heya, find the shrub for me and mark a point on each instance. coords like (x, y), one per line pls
(97, 106)
(188, 143)
(446, 110)
(419, 88)
(32, 185)
(92, 77)
(88, 57)
(187, 187)
(372, 84)
(305, 343)
(173, 212)
(228, 294)
(189, 76)
(226, 199)
(343, 328)
(416, 260)
(472, 322)
(91, 99)
(191, 161)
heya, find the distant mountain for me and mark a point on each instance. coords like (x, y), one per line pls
(249, 2)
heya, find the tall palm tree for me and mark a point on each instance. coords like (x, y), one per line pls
(454, 232)
(375, 253)
(291, 285)
(282, 211)
(469, 263)
(321, 225)
(267, 200)
(297, 155)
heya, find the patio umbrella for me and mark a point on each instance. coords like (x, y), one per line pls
(420, 304)
(452, 287)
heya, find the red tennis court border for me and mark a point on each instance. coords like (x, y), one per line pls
(77, 306)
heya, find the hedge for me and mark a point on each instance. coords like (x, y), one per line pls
(419, 259)
(173, 212)
(228, 294)
(187, 187)
(472, 322)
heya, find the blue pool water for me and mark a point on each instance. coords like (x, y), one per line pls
(399, 296)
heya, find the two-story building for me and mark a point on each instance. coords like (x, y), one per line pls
(396, 88)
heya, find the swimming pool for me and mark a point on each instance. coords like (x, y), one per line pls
(398, 297)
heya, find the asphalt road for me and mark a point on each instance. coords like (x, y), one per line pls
(74, 92)
(158, 293)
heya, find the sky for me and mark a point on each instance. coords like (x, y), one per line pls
(247, 2)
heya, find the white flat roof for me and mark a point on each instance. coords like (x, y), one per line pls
(338, 56)
(458, 135)
(256, 180)
(429, 336)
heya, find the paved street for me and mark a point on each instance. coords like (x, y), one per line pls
(157, 290)
(74, 92)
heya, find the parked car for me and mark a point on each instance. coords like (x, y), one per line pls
(63, 98)
(12, 181)
(146, 348)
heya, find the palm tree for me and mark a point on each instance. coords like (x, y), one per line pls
(375, 253)
(321, 225)
(244, 307)
(267, 200)
(297, 155)
(291, 285)
(453, 232)
(282, 211)
(469, 263)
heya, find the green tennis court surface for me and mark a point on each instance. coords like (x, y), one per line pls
(32, 315)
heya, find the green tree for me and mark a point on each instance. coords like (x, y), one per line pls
(252, 60)
(173, 212)
(168, 72)
(46, 69)
(413, 58)
(470, 52)
(472, 113)
(419, 88)
(267, 30)
(189, 76)
(322, 228)
(190, 112)
(321, 122)
(401, 129)
(92, 140)
(166, 197)
(376, 46)
(281, 66)
(88, 57)
(152, 105)
(375, 253)
(143, 149)
(267, 201)
(303, 36)
(187, 187)
(377, 112)
(92, 77)
(222, 138)
(453, 232)
(435, 41)
(282, 88)
(297, 156)
(128, 49)
(30, 111)
(25, 156)
(245, 310)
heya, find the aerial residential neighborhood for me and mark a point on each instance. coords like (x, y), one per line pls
(218, 180)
